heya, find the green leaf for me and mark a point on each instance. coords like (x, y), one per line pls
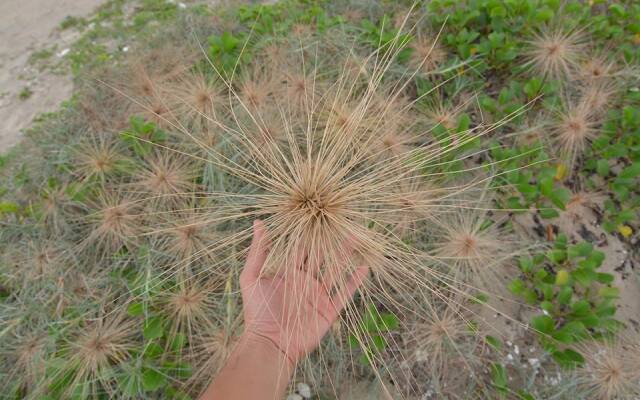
(557, 256)
(526, 264)
(609, 292)
(135, 309)
(498, 12)
(389, 321)
(568, 358)
(379, 342)
(590, 320)
(517, 286)
(604, 278)
(598, 257)
(544, 14)
(543, 324)
(547, 306)
(565, 294)
(548, 213)
(178, 342)
(581, 307)
(153, 328)
(561, 241)
(602, 167)
(9, 207)
(630, 172)
(571, 332)
(152, 380)
(153, 350)
(562, 277)
(530, 296)
(493, 342)
(523, 395)
(584, 276)
(532, 87)
(546, 186)
(559, 197)
(582, 249)
(130, 384)
(499, 377)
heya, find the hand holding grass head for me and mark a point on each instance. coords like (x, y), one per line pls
(286, 316)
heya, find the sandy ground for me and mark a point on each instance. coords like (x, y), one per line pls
(27, 26)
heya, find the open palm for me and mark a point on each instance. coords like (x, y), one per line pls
(293, 310)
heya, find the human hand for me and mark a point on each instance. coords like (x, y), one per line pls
(294, 310)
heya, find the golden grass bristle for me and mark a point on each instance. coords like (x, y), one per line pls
(611, 368)
(555, 53)
(427, 54)
(573, 129)
(99, 345)
(113, 222)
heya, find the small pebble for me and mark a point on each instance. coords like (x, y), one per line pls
(304, 390)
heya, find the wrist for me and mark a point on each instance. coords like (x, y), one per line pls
(252, 341)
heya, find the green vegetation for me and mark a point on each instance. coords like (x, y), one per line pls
(25, 93)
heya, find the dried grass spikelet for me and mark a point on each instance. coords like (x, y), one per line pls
(142, 84)
(354, 15)
(442, 333)
(533, 132)
(441, 112)
(303, 30)
(113, 222)
(474, 244)
(414, 198)
(146, 80)
(185, 236)
(355, 66)
(274, 51)
(267, 126)
(195, 98)
(580, 201)
(166, 177)
(555, 52)
(573, 129)
(298, 88)
(54, 209)
(191, 310)
(344, 117)
(596, 68)
(610, 370)
(598, 96)
(47, 258)
(156, 111)
(27, 355)
(256, 85)
(211, 351)
(97, 157)
(148, 69)
(427, 54)
(89, 356)
(397, 133)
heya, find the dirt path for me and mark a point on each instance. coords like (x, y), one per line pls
(25, 91)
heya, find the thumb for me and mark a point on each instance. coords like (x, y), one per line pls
(257, 254)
